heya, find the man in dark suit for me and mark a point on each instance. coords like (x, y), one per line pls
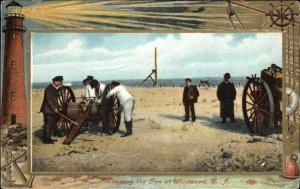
(226, 94)
(50, 108)
(190, 96)
(101, 91)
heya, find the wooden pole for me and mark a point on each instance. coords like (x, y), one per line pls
(154, 71)
(155, 62)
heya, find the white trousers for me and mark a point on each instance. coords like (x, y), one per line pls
(128, 108)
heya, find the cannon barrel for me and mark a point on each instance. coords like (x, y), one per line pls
(75, 114)
(92, 107)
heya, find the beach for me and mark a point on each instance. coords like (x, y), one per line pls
(161, 142)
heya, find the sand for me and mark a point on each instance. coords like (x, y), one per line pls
(161, 142)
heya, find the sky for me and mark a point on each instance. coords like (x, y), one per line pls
(118, 56)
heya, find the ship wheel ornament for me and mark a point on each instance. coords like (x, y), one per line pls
(281, 15)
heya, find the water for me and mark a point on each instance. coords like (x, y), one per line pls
(178, 82)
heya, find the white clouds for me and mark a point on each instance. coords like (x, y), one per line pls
(75, 44)
(194, 54)
(72, 51)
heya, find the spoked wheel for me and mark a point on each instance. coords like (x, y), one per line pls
(277, 113)
(65, 96)
(113, 114)
(258, 106)
(281, 15)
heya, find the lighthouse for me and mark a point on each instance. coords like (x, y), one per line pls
(13, 83)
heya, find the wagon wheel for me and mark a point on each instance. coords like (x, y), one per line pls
(258, 106)
(277, 112)
(113, 114)
(65, 96)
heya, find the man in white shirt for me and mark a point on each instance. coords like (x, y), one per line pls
(98, 89)
(89, 91)
(127, 104)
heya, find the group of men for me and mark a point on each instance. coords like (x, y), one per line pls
(226, 94)
(94, 90)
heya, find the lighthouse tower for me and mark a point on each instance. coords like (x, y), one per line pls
(13, 83)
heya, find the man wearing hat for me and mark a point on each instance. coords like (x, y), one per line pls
(127, 104)
(89, 92)
(99, 89)
(49, 108)
(226, 94)
(190, 97)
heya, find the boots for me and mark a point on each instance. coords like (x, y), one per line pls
(128, 125)
(47, 135)
(223, 120)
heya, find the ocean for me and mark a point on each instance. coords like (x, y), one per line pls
(177, 82)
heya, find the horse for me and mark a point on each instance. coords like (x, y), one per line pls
(205, 83)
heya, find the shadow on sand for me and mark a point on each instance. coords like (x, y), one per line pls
(215, 122)
(87, 128)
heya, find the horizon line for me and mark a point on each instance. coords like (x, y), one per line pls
(144, 78)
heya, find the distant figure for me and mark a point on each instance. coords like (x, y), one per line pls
(226, 94)
(205, 83)
(49, 108)
(89, 92)
(190, 96)
(127, 104)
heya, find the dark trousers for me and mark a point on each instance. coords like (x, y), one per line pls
(187, 107)
(50, 122)
(104, 117)
(227, 109)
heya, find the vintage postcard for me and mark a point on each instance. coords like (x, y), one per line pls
(150, 94)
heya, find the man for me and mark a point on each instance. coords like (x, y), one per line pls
(98, 89)
(89, 92)
(49, 108)
(226, 94)
(127, 103)
(190, 97)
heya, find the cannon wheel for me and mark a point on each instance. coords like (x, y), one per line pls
(113, 113)
(65, 96)
(258, 106)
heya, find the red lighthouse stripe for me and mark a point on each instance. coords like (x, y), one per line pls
(13, 86)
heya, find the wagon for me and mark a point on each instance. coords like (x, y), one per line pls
(75, 114)
(261, 101)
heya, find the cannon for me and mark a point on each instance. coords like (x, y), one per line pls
(261, 101)
(75, 114)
